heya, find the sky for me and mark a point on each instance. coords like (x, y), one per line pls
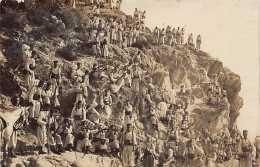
(230, 32)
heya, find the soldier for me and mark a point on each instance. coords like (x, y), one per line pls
(136, 78)
(182, 35)
(129, 143)
(107, 99)
(26, 52)
(174, 34)
(190, 39)
(78, 114)
(42, 121)
(162, 107)
(118, 4)
(210, 92)
(29, 67)
(162, 37)
(47, 94)
(52, 143)
(194, 154)
(156, 35)
(247, 149)
(87, 141)
(55, 76)
(93, 42)
(155, 123)
(128, 113)
(78, 74)
(10, 133)
(257, 145)
(114, 143)
(178, 36)
(198, 42)
(150, 154)
(173, 96)
(35, 98)
(69, 139)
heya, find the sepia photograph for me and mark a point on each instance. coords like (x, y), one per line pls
(129, 83)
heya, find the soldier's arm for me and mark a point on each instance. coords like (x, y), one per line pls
(40, 121)
(32, 92)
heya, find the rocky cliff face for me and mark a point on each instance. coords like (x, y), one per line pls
(60, 33)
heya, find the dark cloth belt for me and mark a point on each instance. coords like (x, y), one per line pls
(128, 113)
(246, 149)
(106, 102)
(129, 142)
(36, 97)
(191, 156)
(77, 117)
(54, 76)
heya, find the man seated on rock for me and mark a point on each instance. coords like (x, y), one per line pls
(52, 143)
(68, 131)
(194, 154)
(114, 143)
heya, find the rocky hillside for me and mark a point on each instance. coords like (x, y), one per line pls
(58, 32)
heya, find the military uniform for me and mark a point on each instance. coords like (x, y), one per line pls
(36, 99)
(128, 156)
(42, 121)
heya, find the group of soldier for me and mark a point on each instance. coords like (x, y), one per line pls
(95, 125)
(173, 37)
(216, 93)
(89, 128)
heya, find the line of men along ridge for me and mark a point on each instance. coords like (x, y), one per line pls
(90, 128)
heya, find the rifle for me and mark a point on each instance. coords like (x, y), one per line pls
(188, 127)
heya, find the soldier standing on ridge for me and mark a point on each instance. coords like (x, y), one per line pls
(198, 42)
(129, 142)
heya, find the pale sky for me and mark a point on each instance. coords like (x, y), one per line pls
(230, 32)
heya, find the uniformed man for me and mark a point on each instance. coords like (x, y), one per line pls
(174, 34)
(55, 76)
(194, 154)
(182, 35)
(10, 133)
(257, 145)
(210, 91)
(78, 74)
(68, 131)
(162, 37)
(190, 39)
(128, 118)
(162, 107)
(129, 143)
(247, 149)
(42, 121)
(107, 100)
(198, 42)
(78, 114)
(29, 67)
(178, 36)
(35, 98)
(47, 94)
